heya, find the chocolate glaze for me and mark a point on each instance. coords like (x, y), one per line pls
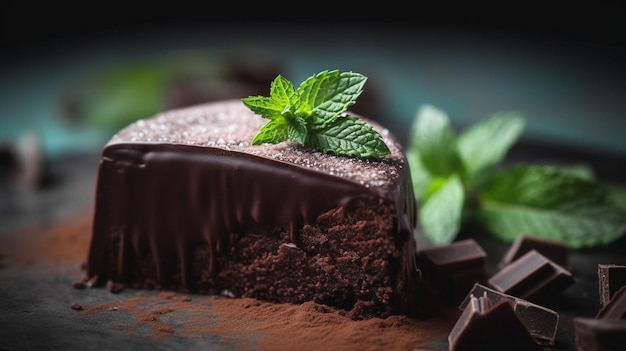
(190, 177)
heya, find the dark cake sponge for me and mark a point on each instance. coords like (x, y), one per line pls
(185, 203)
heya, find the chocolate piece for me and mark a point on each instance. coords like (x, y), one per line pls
(616, 308)
(556, 251)
(540, 321)
(600, 334)
(532, 277)
(611, 277)
(452, 270)
(184, 202)
(482, 326)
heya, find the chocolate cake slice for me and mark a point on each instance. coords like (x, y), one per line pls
(185, 203)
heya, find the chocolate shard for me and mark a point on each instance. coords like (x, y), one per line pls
(554, 250)
(483, 326)
(616, 308)
(611, 277)
(453, 269)
(600, 334)
(532, 277)
(540, 321)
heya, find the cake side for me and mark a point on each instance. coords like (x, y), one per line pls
(252, 221)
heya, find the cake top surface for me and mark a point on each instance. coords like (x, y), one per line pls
(230, 125)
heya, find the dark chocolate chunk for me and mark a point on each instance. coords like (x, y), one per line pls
(76, 306)
(540, 321)
(600, 334)
(616, 308)
(482, 326)
(554, 250)
(532, 277)
(452, 270)
(611, 277)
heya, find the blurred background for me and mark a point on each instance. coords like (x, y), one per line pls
(71, 75)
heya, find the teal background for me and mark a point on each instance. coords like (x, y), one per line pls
(572, 91)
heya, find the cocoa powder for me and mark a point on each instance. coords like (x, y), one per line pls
(308, 326)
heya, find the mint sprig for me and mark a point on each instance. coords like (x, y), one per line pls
(457, 179)
(314, 115)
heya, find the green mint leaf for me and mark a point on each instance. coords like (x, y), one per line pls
(297, 131)
(264, 106)
(550, 203)
(434, 140)
(440, 212)
(420, 177)
(617, 195)
(328, 94)
(541, 186)
(283, 92)
(273, 132)
(348, 136)
(314, 115)
(485, 144)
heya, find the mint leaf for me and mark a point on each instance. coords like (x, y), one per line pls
(540, 186)
(617, 195)
(560, 202)
(264, 106)
(440, 212)
(485, 144)
(283, 93)
(435, 142)
(328, 94)
(297, 130)
(274, 131)
(314, 115)
(420, 177)
(348, 136)
(550, 203)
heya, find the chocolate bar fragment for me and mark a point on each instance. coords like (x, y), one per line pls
(611, 277)
(185, 202)
(600, 334)
(616, 308)
(540, 321)
(556, 251)
(452, 270)
(487, 326)
(532, 277)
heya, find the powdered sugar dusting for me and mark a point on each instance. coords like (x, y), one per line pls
(230, 125)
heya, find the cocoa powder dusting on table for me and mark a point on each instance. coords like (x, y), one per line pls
(64, 243)
(248, 324)
(253, 324)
